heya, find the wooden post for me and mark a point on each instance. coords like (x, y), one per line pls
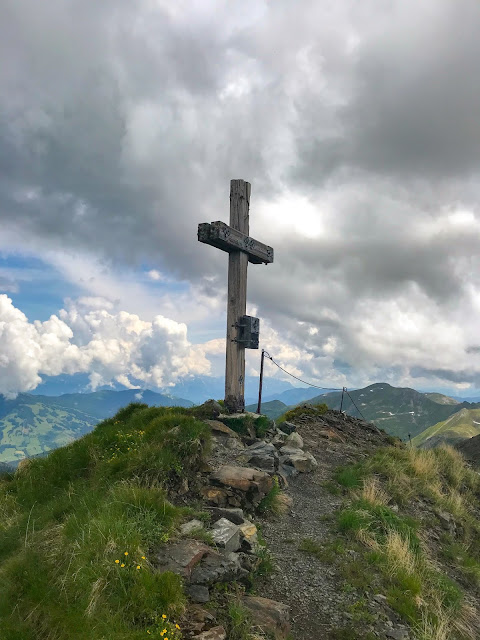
(237, 299)
(242, 249)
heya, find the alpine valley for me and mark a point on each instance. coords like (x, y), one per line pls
(32, 425)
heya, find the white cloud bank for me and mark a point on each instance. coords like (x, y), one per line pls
(86, 337)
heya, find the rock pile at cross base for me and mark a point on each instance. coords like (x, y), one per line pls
(239, 474)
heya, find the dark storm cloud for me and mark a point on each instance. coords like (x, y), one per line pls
(122, 123)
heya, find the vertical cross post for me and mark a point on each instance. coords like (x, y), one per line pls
(237, 299)
(242, 330)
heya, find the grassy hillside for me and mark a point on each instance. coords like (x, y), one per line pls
(398, 411)
(441, 399)
(32, 428)
(78, 529)
(462, 425)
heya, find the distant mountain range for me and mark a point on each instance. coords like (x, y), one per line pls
(34, 424)
(196, 388)
(31, 425)
(272, 409)
(399, 411)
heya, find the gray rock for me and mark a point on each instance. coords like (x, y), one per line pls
(226, 534)
(294, 440)
(287, 471)
(262, 455)
(219, 567)
(213, 408)
(380, 598)
(221, 429)
(266, 463)
(216, 633)
(190, 526)
(234, 515)
(279, 439)
(400, 633)
(243, 478)
(198, 593)
(180, 557)
(289, 450)
(303, 461)
(270, 616)
(288, 427)
(261, 448)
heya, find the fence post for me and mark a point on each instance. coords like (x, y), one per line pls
(259, 406)
(341, 402)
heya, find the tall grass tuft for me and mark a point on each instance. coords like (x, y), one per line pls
(382, 488)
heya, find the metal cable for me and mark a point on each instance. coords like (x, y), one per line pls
(299, 379)
(365, 420)
(316, 386)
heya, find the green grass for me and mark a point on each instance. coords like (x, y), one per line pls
(350, 477)
(377, 521)
(248, 425)
(239, 622)
(307, 410)
(326, 552)
(270, 502)
(375, 518)
(67, 518)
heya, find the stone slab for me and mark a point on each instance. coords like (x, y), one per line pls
(226, 535)
(243, 478)
(192, 525)
(270, 616)
(180, 557)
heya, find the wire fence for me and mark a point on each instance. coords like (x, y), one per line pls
(344, 390)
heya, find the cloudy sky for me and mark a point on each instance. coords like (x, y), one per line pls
(358, 126)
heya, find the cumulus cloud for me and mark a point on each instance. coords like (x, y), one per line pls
(83, 338)
(122, 124)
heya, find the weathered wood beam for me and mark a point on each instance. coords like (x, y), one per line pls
(237, 298)
(220, 235)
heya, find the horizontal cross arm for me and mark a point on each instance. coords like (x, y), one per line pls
(220, 235)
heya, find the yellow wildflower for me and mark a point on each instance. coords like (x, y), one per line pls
(123, 564)
(164, 616)
(138, 566)
(117, 561)
(143, 558)
(126, 553)
(177, 627)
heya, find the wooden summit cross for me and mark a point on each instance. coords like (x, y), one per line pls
(242, 330)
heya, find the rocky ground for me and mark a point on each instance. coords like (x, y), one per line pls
(240, 472)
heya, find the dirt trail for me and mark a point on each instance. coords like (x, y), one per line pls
(319, 606)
